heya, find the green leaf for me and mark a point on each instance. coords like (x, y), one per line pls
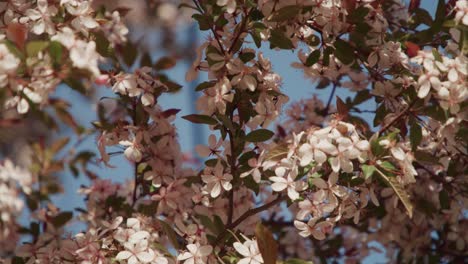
(204, 21)
(61, 219)
(129, 53)
(205, 85)
(297, 261)
(285, 13)
(439, 17)
(259, 135)
(388, 166)
(165, 63)
(368, 170)
(59, 144)
(436, 55)
(171, 234)
(279, 40)
(464, 41)
(415, 135)
(103, 46)
(399, 190)
(422, 16)
(34, 47)
(56, 50)
(246, 56)
(444, 199)
(146, 60)
(359, 14)
(344, 52)
(200, 119)
(326, 56)
(256, 37)
(277, 153)
(172, 87)
(266, 244)
(313, 58)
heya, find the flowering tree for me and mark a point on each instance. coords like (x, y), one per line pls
(321, 184)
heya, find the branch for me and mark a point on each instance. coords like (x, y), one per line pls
(400, 115)
(246, 215)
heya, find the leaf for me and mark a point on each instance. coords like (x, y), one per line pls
(368, 170)
(204, 22)
(259, 135)
(246, 56)
(277, 153)
(129, 53)
(266, 244)
(297, 261)
(34, 47)
(399, 190)
(415, 135)
(439, 17)
(61, 219)
(422, 16)
(256, 37)
(205, 85)
(344, 52)
(200, 119)
(56, 50)
(68, 119)
(341, 108)
(313, 58)
(285, 13)
(326, 56)
(171, 234)
(59, 144)
(165, 63)
(103, 46)
(146, 60)
(279, 40)
(75, 85)
(172, 87)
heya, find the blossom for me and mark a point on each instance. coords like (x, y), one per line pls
(285, 179)
(132, 152)
(196, 254)
(136, 253)
(249, 250)
(230, 5)
(84, 56)
(41, 18)
(8, 64)
(217, 180)
(317, 230)
(395, 148)
(255, 165)
(82, 10)
(461, 8)
(212, 148)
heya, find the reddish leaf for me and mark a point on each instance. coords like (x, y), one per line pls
(411, 49)
(342, 109)
(17, 33)
(413, 5)
(170, 112)
(266, 244)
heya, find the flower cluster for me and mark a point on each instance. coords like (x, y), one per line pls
(383, 164)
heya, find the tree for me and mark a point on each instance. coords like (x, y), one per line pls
(322, 184)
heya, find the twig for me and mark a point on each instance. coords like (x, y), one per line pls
(396, 119)
(330, 98)
(246, 215)
(211, 28)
